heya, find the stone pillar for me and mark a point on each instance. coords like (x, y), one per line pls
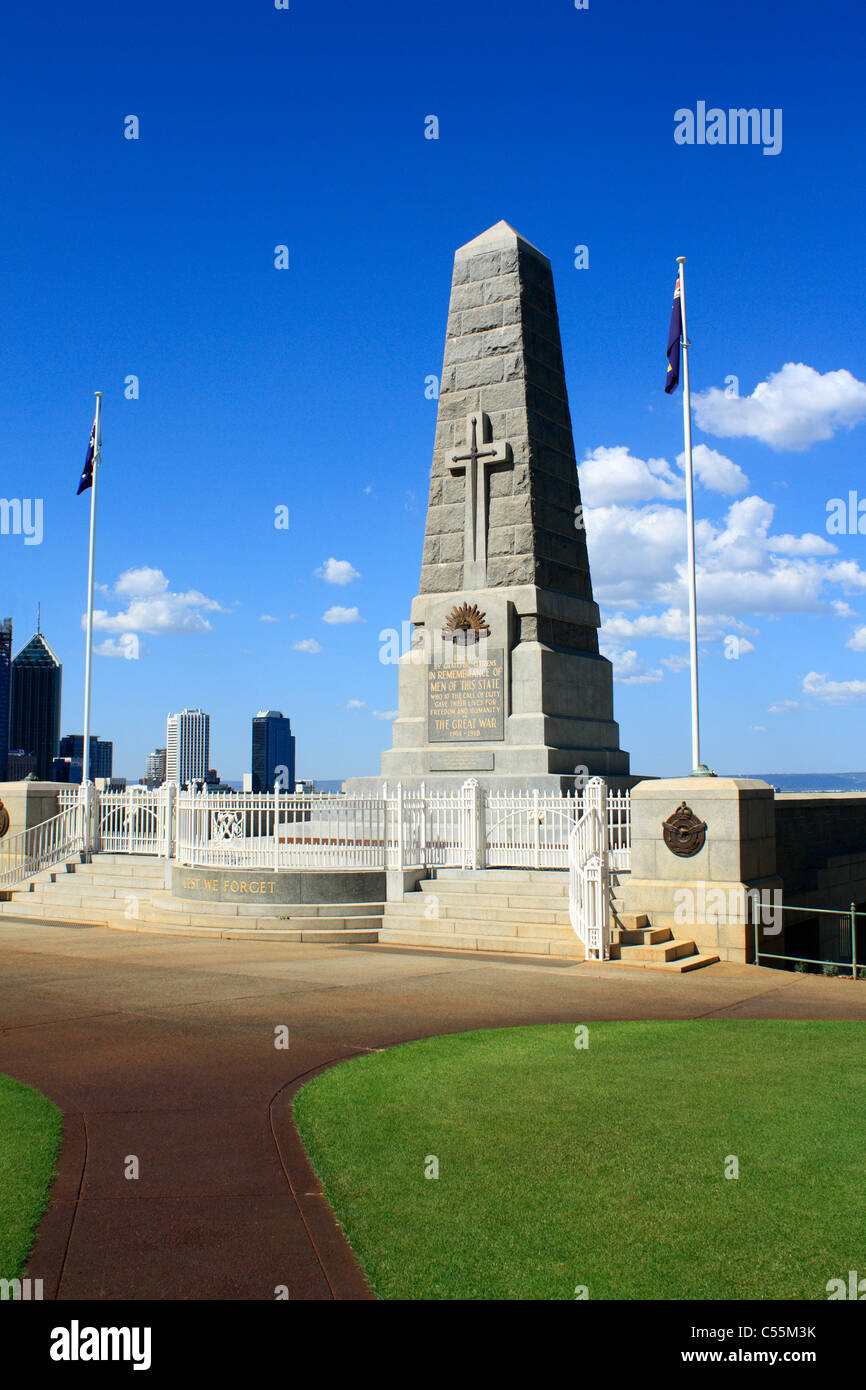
(27, 803)
(716, 863)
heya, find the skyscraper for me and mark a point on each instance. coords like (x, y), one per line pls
(187, 746)
(101, 756)
(35, 724)
(273, 759)
(5, 694)
(154, 772)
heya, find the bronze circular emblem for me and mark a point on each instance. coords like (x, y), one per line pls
(4, 820)
(466, 624)
(684, 833)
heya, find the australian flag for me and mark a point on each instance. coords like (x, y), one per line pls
(87, 471)
(675, 332)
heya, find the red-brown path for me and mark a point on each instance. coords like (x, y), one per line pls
(163, 1048)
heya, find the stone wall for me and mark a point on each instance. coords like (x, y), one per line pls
(812, 831)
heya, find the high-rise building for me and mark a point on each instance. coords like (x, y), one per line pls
(5, 694)
(35, 723)
(101, 756)
(187, 746)
(273, 752)
(20, 765)
(154, 771)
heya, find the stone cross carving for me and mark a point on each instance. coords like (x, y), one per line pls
(496, 453)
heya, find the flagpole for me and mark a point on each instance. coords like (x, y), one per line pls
(697, 766)
(88, 653)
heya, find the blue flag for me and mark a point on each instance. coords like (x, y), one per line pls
(675, 332)
(87, 472)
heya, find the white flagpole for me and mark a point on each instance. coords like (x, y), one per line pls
(690, 530)
(88, 653)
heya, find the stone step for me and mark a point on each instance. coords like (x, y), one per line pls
(298, 923)
(664, 951)
(61, 912)
(449, 895)
(405, 934)
(107, 878)
(497, 881)
(350, 936)
(125, 859)
(633, 921)
(73, 891)
(678, 967)
(471, 926)
(53, 896)
(461, 907)
(108, 913)
(646, 936)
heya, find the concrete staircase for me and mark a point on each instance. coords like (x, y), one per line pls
(128, 893)
(511, 911)
(522, 911)
(519, 911)
(654, 948)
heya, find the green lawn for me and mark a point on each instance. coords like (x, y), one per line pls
(602, 1168)
(30, 1129)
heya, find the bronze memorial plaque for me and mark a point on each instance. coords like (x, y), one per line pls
(466, 701)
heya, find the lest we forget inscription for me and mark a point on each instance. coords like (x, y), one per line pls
(466, 701)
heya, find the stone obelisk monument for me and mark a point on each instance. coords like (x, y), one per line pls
(504, 681)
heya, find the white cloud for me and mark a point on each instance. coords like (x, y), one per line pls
(841, 609)
(857, 641)
(792, 409)
(342, 615)
(638, 559)
(337, 572)
(142, 582)
(152, 608)
(630, 669)
(783, 707)
(716, 472)
(676, 663)
(385, 713)
(807, 544)
(631, 549)
(849, 574)
(309, 644)
(833, 692)
(612, 475)
(127, 645)
(356, 704)
(672, 624)
(268, 618)
(757, 729)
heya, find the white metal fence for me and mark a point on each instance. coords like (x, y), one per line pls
(588, 833)
(405, 827)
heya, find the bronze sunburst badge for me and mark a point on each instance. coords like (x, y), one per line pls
(465, 623)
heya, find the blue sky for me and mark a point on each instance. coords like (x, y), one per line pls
(305, 388)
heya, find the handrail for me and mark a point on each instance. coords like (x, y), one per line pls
(40, 846)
